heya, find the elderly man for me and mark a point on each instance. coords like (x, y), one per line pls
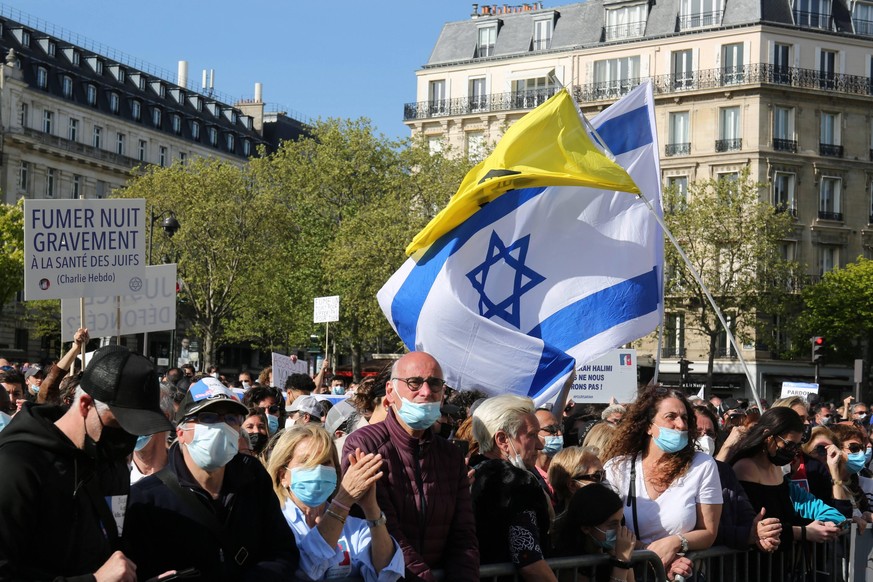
(613, 414)
(210, 508)
(424, 490)
(64, 479)
(511, 509)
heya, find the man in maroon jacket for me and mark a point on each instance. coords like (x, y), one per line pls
(424, 490)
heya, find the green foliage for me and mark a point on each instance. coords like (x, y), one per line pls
(11, 250)
(840, 308)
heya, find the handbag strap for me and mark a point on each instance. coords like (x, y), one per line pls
(632, 495)
(206, 518)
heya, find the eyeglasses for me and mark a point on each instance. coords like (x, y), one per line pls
(273, 409)
(234, 420)
(788, 445)
(416, 382)
(551, 429)
(854, 447)
(596, 477)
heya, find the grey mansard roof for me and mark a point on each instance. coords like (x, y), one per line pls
(581, 25)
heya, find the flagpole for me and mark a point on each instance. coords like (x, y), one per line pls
(715, 308)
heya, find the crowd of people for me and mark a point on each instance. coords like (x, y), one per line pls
(114, 473)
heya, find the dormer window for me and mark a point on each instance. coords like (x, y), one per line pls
(177, 123)
(67, 86)
(813, 14)
(213, 136)
(113, 102)
(542, 36)
(91, 94)
(118, 72)
(626, 22)
(42, 77)
(247, 148)
(706, 13)
(487, 40)
(72, 55)
(136, 109)
(862, 18)
(49, 46)
(231, 142)
(22, 35)
(157, 117)
(195, 130)
(96, 64)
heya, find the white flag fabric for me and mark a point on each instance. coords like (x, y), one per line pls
(540, 278)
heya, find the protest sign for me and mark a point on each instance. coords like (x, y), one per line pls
(282, 368)
(83, 248)
(802, 389)
(611, 376)
(326, 309)
(152, 308)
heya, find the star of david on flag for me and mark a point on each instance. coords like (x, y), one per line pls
(544, 259)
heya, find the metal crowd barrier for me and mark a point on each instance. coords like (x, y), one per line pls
(651, 569)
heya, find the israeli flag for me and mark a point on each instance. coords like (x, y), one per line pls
(540, 279)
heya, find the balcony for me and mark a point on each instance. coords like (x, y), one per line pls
(830, 150)
(786, 208)
(818, 20)
(623, 31)
(785, 145)
(733, 75)
(677, 149)
(728, 145)
(863, 27)
(825, 215)
(700, 20)
(511, 101)
(77, 148)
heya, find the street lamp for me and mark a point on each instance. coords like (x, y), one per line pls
(170, 225)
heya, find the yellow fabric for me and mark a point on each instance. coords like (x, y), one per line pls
(549, 146)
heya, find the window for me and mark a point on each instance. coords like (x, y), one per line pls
(195, 130)
(247, 148)
(213, 136)
(683, 69)
(674, 335)
(113, 102)
(77, 186)
(67, 86)
(77, 58)
(679, 184)
(475, 145)
(783, 192)
(142, 150)
(48, 118)
(183, 157)
(626, 22)
(828, 258)
(136, 109)
(22, 340)
(91, 94)
(862, 18)
(437, 96)
(616, 77)
(529, 93)
(25, 37)
(42, 77)
(73, 129)
(729, 130)
(162, 156)
(542, 36)
(829, 206)
(52, 48)
(156, 117)
(783, 129)
(700, 13)
(830, 142)
(478, 98)
(49, 183)
(827, 69)
(119, 144)
(732, 69)
(97, 136)
(723, 347)
(177, 123)
(781, 67)
(813, 13)
(434, 144)
(487, 39)
(230, 142)
(23, 169)
(679, 140)
(23, 114)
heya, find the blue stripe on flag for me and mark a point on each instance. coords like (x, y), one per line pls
(626, 132)
(409, 300)
(553, 364)
(600, 311)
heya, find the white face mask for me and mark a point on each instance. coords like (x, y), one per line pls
(515, 459)
(214, 445)
(705, 444)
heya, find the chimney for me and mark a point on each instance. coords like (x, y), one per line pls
(182, 77)
(203, 85)
(475, 13)
(259, 91)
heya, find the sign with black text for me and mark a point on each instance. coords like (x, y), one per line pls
(613, 375)
(326, 309)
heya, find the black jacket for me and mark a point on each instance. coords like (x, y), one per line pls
(49, 527)
(162, 533)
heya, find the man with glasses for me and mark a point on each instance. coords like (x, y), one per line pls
(424, 490)
(212, 509)
(824, 414)
(552, 439)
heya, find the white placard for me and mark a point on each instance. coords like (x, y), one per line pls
(326, 309)
(83, 248)
(803, 389)
(611, 376)
(282, 368)
(153, 308)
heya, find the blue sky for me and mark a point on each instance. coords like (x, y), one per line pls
(341, 58)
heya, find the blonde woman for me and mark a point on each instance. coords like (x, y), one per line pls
(598, 437)
(304, 468)
(571, 469)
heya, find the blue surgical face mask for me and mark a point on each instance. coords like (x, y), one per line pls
(4, 420)
(856, 461)
(609, 542)
(214, 445)
(418, 416)
(868, 455)
(670, 440)
(272, 423)
(313, 486)
(338, 390)
(553, 445)
(142, 441)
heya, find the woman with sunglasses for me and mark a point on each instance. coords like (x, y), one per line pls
(852, 462)
(757, 461)
(571, 469)
(671, 492)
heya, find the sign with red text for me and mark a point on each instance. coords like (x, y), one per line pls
(83, 248)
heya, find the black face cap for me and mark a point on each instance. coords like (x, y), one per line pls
(128, 384)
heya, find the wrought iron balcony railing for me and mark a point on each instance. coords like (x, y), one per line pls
(864, 27)
(677, 149)
(785, 145)
(76, 148)
(700, 20)
(515, 100)
(484, 50)
(672, 351)
(830, 150)
(787, 208)
(622, 31)
(814, 20)
(541, 44)
(728, 145)
(825, 215)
